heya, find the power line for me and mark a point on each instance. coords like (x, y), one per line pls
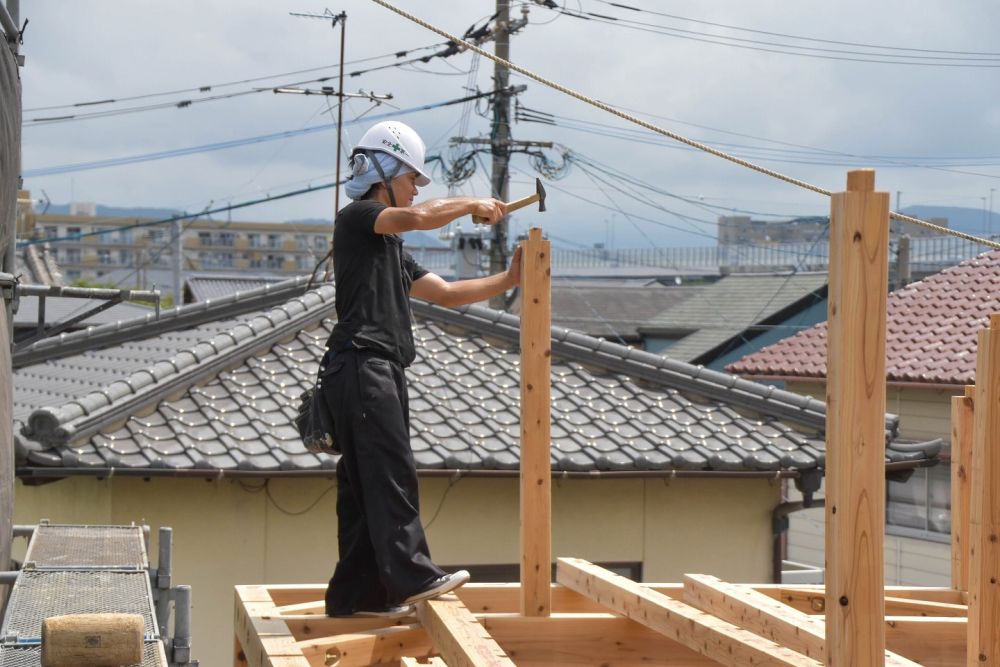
(782, 48)
(213, 86)
(183, 216)
(799, 37)
(182, 104)
(234, 143)
(773, 154)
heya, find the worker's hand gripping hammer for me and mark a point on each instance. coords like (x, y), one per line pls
(539, 197)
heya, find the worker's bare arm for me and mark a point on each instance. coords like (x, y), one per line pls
(437, 213)
(435, 289)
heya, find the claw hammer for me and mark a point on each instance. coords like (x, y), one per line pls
(539, 197)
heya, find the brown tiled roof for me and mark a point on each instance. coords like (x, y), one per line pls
(930, 334)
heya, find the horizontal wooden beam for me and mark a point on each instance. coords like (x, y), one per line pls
(756, 612)
(314, 627)
(719, 640)
(904, 607)
(765, 616)
(812, 600)
(587, 640)
(370, 647)
(262, 637)
(935, 642)
(504, 598)
(412, 662)
(458, 636)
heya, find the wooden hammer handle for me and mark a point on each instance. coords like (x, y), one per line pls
(511, 207)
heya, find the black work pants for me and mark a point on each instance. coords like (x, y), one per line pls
(384, 556)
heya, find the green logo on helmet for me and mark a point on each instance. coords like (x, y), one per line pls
(397, 147)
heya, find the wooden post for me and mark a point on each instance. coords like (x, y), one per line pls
(962, 422)
(984, 522)
(855, 433)
(536, 465)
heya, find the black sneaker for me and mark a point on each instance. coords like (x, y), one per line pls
(440, 586)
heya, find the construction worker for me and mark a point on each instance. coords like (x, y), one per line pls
(385, 564)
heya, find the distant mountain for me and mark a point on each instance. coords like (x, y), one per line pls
(969, 220)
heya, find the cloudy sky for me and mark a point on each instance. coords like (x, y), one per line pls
(711, 71)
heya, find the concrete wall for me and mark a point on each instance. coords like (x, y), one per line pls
(909, 561)
(228, 532)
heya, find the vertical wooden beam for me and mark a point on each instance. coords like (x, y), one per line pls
(962, 422)
(984, 524)
(536, 465)
(855, 433)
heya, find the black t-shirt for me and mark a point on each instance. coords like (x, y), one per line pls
(373, 276)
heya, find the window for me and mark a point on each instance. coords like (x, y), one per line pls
(104, 234)
(51, 231)
(204, 238)
(227, 239)
(923, 502)
(103, 256)
(156, 236)
(304, 262)
(73, 232)
(73, 256)
(302, 242)
(274, 241)
(319, 243)
(124, 236)
(274, 262)
(254, 240)
(216, 260)
(125, 257)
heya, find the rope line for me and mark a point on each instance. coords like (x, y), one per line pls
(667, 133)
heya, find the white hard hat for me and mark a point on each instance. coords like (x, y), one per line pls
(400, 141)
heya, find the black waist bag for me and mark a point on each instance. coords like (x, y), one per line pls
(314, 421)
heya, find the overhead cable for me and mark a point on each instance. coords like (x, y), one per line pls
(667, 133)
(213, 86)
(203, 148)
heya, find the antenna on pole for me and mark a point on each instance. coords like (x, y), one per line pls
(334, 19)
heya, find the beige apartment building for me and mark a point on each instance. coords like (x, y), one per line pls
(100, 248)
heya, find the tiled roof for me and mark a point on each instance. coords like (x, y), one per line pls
(611, 309)
(930, 330)
(170, 319)
(35, 264)
(225, 403)
(205, 286)
(729, 307)
(59, 308)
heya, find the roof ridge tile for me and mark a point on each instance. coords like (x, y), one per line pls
(55, 425)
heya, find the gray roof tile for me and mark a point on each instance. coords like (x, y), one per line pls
(729, 307)
(610, 414)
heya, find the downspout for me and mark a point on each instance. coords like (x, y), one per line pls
(808, 483)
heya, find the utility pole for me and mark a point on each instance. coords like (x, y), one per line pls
(500, 141)
(178, 262)
(989, 223)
